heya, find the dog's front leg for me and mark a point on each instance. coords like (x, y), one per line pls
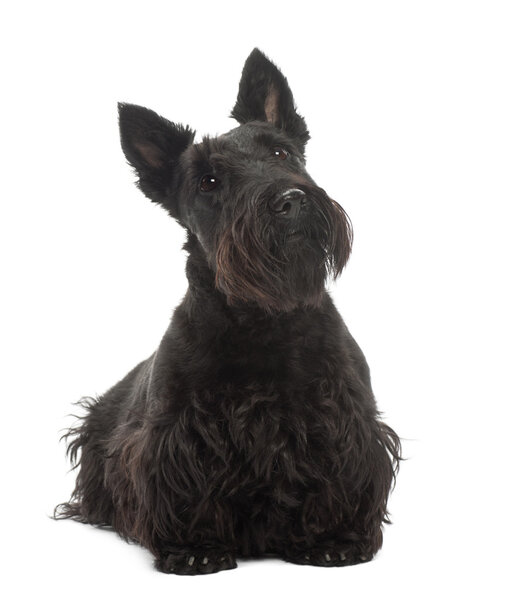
(341, 523)
(326, 539)
(200, 543)
(165, 490)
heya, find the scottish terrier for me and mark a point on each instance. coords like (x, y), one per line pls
(253, 429)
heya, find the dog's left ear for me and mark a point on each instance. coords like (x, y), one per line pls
(152, 146)
(264, 95)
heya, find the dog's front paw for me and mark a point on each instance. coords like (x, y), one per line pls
(195, 561)
(329, 556)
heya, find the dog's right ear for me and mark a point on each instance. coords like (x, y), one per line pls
(152, 146)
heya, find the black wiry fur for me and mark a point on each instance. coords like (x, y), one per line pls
(253, 428)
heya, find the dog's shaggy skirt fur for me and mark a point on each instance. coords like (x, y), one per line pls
(253, 428)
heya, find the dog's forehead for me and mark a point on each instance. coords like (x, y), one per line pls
(246, 136)
(242, 140)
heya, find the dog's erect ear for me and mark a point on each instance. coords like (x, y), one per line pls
(264, 95)
(152, 145)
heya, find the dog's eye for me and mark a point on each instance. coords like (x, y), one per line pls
(280, 153)
(208, 183)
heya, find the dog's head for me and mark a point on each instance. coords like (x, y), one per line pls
(268, 232)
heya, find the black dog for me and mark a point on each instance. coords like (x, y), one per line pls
(252, 429)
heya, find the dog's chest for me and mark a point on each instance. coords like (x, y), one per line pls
(262, 435)
(284, 358)
(260, 401)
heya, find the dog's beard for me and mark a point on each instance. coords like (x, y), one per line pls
(280, 264)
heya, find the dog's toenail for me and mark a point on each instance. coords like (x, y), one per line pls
(363, 557)
(342, 556)
(307, 557)
(328, 557)
(205, 561)
(223, 558)
(191, 561)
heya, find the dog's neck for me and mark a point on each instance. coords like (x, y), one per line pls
(203, 298)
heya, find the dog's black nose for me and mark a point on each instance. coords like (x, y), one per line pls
(289, 204)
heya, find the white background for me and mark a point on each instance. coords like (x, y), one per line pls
(411, 109)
